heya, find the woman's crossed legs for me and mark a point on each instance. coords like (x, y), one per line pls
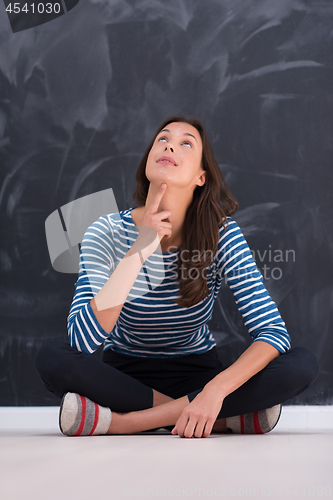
(152, 394)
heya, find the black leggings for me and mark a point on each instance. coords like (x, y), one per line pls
(124, 383)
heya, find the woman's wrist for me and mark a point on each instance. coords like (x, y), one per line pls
(143, 252)
(216, 386)
(133, 251)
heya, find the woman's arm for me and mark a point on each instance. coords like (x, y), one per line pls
(102, 286)
(97, 262)
(260, 314)
(256, 357)
(108, 302)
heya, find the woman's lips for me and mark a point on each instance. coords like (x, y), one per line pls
(166, 160)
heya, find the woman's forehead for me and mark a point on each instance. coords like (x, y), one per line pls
(182, 128)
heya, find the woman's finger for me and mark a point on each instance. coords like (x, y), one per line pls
(189, 426)
(157, 199)
(208, 428)
(181, 424)
(199, 428)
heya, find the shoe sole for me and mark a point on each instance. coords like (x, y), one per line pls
(60, 412)
(277, 420)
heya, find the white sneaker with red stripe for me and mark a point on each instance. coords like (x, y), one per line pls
(79, 416)
(258, 422)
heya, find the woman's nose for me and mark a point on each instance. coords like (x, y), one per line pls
(170, 147)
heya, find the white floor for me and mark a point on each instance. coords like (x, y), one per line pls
(293, 461)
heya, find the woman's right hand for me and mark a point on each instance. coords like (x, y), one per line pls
(153, 226)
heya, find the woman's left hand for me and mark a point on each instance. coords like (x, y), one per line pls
(198, 417)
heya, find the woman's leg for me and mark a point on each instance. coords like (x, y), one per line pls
(283, 378)
(64, 369)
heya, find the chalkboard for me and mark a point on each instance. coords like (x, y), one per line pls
(81, 97)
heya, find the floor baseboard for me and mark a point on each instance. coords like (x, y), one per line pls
(46, 418)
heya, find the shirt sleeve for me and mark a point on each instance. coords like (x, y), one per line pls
(97, 263)
(236, 265)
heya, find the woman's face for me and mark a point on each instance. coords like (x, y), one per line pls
(175, 157)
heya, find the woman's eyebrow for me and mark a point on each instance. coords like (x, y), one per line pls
(186, 133)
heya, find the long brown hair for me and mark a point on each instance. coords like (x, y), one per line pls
(210, 206)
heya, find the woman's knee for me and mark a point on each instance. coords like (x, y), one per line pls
(305, 365)
(49, 356)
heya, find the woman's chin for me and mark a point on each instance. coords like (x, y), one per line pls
(157, 180)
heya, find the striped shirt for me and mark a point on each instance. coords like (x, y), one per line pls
(151, 323)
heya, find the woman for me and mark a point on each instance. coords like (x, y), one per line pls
(148, 280)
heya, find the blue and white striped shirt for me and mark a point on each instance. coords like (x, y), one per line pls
(151, 324)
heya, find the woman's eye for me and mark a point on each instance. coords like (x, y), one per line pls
(162, 139)
(186, 143)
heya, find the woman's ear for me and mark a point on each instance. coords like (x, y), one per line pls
(202, 178)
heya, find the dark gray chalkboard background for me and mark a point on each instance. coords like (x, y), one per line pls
(80, 99)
